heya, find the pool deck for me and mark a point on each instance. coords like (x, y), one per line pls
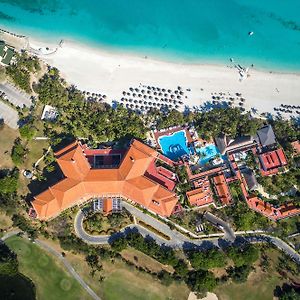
(171, 130)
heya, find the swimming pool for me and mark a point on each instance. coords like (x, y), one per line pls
(175, 145)
(206, 153)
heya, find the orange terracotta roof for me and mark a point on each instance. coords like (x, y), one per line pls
(82, 182)
(222, 188)
(107, 205)
(199, 196)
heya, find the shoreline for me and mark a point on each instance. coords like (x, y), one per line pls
(155, 56)
(130, 52)
(98, 70)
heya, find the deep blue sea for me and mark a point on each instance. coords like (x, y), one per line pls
(209, 31)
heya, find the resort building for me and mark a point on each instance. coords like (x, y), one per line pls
(271, 212)
(266, 136)
(271, 161)
(107, 205)
(6, 53)
(222, 189)
(49, 113)
(202, 194)
(227, 144)
(129, 180)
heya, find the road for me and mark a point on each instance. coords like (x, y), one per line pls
(67, 265)
(229, 233)
(15, 96)
(9, 115)
(178, 240)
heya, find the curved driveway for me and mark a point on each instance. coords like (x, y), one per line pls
(177, 239)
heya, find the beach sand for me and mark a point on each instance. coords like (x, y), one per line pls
(109, 73)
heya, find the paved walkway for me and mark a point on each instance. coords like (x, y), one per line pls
(58, 255)
(177, 239)
(229, 233)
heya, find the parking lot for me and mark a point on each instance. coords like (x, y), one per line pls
(14, 95)
(9, 115)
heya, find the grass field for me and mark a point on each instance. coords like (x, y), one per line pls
(124, 282)
(35, 152)
(258, 287)
(140, 259)
(49, 277)
(7, 137)
(5, 221)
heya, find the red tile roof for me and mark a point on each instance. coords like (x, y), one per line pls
(222, 189)
(202, 195)
(273, 213)
(272, 160)
(82, 182)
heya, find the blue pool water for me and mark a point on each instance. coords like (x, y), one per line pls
(207, 153)
(175, 145)
(210, 31)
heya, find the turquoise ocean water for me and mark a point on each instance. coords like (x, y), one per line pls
(209, 31)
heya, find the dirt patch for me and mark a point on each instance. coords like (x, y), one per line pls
(146, 262)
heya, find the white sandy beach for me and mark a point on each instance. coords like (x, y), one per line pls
(98, 71)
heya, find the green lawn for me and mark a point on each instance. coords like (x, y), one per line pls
(261, 288)
(50, 278)
(125, 282)
(132, 285)
(7, 137)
